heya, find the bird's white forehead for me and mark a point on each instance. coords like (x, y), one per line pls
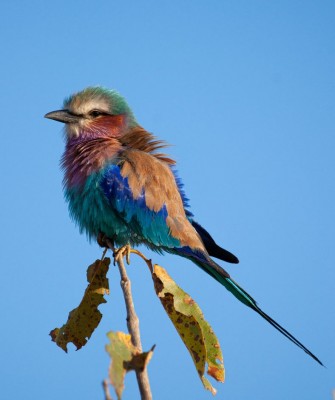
(83, 106)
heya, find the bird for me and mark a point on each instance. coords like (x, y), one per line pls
(119, 184)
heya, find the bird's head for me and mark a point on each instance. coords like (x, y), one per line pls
(94, 112)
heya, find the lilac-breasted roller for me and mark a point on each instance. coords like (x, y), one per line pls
(118, 184)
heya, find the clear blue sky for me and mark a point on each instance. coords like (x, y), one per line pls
(245, 92)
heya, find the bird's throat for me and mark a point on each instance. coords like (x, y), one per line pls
(82, 158)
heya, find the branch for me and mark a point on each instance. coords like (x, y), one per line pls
(106, 390)
(132, 319)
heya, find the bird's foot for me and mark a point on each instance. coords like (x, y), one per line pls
(102, 240)
(123, 251)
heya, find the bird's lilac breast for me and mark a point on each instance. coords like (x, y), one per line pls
(83, 158)
(84, 164)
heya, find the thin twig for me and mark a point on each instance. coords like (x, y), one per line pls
(132, 323)
(147, 260)
(106, 390)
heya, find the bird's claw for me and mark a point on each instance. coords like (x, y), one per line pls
(102, 240)
(123, 251)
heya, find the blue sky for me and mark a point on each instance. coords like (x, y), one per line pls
(244, 91)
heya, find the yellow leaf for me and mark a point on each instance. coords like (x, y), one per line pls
(189, 321)
(125, 357)
(83, 320)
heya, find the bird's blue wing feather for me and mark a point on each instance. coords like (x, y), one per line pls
(144, 224)
(182, 193)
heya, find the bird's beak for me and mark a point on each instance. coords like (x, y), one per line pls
(63, 116)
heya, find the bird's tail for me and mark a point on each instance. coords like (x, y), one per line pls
(218, 273)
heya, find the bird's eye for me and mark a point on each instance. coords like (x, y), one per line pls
(95, 113)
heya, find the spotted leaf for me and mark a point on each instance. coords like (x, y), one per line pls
(189, 321)
(84, 319)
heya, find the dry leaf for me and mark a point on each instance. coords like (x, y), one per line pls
(125, 357)
(83, 320)
(189, 321)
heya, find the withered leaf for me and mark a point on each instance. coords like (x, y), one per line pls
(84, 319)
(125, 357)
(189, 321)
